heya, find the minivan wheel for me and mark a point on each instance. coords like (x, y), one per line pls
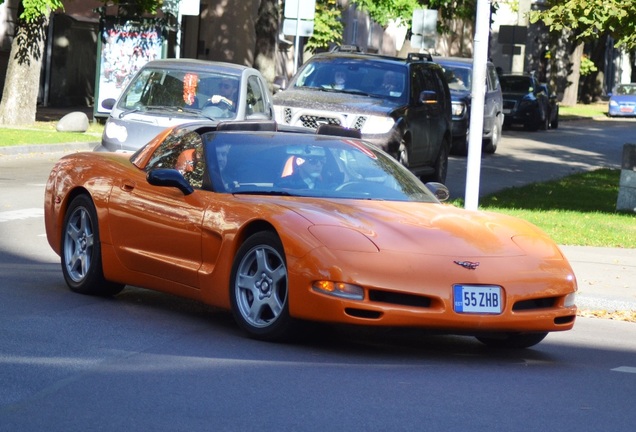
(490, 146)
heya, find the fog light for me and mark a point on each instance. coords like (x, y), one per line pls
(339, 289)
(570, 300)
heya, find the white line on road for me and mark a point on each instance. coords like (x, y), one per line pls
(7, 216)
(627, 369)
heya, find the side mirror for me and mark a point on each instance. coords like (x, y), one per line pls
(280, 83)
(428, 97)
(170, 178)
(440, 191)
(108, 103)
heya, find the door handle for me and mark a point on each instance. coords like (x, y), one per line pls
(128, 185)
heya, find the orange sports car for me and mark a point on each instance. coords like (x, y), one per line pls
(282, 227)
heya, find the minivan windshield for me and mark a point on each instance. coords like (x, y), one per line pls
(161, 89)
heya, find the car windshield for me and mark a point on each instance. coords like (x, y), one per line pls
(164, 89)
(626, 89)
(458, 77)
(516, 84)
(307, 165)
(368, 77)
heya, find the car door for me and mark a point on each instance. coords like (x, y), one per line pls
(421, 117)
(156, 230)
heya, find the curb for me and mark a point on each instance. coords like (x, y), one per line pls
(48, 148)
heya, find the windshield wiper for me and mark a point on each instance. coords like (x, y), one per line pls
(264, 192)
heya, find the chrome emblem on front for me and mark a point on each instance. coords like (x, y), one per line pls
(467, 264)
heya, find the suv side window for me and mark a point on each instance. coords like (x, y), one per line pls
(255, 99)
(493, 78)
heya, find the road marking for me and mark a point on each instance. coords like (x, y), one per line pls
(12, 215)
(627, 369)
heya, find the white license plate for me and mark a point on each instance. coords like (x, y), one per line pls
(477, 299)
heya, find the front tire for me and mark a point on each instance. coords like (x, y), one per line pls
(81, 251)
(259, 292)
(513, 340)
(490, 146)
(441, 165)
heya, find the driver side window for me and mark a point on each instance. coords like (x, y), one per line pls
(183, 152)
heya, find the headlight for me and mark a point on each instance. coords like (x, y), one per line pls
(458, 109)
(115, 131)
(613, 103)
(570, 300)
(339, 289)
(377, 125)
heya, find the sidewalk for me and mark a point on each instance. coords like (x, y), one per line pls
(606, 277)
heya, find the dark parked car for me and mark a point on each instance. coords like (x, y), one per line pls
(401, 105)
(169, 92)
(553, 105)
(525, 102)
(459, 75)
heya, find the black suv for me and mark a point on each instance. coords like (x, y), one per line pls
(525, 102)
(401, 105)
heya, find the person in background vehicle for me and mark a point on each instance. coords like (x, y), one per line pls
(304, 171)
(226, 96)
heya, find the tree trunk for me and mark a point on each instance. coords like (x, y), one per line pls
(570, 95)
(266, 39)
(22, 83)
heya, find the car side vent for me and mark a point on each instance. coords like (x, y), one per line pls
(399, 299)
(540, 303)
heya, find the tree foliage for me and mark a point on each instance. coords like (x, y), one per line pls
(383, 11)
(589, 19)
(328, 26)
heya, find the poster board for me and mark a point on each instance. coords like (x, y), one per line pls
(123, 48)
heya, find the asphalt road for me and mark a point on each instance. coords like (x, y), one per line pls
(150, 361)
(527, 157)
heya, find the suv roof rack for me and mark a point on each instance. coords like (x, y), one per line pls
(346, 48)
(419, 57)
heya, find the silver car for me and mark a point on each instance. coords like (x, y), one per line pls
(169, 92)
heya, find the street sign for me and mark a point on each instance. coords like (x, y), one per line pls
(303, 28)
(305, 9)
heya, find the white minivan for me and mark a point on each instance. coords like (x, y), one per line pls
(169, 92)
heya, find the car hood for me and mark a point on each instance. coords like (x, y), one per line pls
(420, 228)
(334, 101)
(623, 98)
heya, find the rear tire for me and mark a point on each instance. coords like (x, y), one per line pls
(81, 251)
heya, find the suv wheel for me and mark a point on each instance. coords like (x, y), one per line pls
(490, 146)
(441, 165)
(403, 153)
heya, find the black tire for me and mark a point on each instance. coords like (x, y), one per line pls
(403, 153)
(441, 165)
(513, 340)
(460, 147)
(555, 122)
(545, 122)
(259, 293)
(81, 251)
(490, 146)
